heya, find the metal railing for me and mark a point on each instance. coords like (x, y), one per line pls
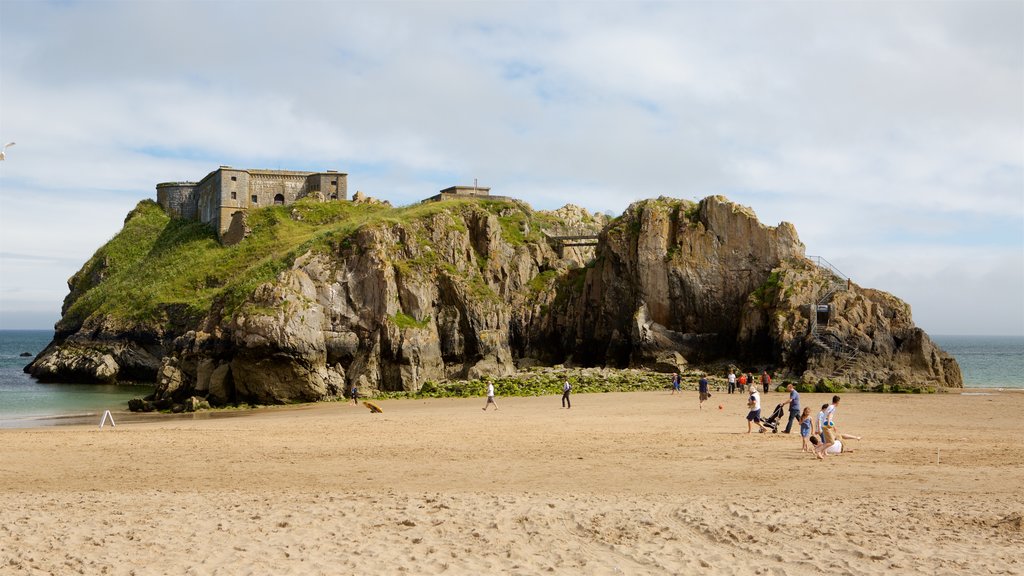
(828, 267)
(848, 355)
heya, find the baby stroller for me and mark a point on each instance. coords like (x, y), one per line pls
(773, 421)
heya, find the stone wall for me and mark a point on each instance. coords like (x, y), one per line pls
(217, 197)
(178, 198)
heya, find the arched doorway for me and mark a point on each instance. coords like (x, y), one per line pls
(279, 199)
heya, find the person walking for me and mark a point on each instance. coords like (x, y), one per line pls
(754, 416)
(566, 388)
(766, 381)
(702, 388)
(490, 397)
(732, 381)
(794, 406)
(353, 395)
(676, 383)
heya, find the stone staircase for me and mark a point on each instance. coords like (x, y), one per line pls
(848, 355)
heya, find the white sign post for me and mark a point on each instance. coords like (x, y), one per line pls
(106, 415)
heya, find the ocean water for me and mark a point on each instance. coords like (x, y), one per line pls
(25, 402)
(986, 362)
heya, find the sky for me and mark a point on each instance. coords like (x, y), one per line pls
(890, 134)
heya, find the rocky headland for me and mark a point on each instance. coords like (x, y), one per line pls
(321, 296)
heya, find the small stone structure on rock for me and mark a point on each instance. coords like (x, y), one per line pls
(224, 195)
(456, 192)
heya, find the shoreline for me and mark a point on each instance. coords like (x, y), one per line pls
(125, 416)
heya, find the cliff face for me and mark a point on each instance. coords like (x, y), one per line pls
(391, 298)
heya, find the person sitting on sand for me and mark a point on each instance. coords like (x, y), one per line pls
(702, 387)
(821, 450)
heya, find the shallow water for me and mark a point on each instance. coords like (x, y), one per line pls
(986, 362)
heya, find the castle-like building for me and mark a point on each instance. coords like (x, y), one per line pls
(224, 195)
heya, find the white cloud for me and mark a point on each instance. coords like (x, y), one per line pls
(877, 128)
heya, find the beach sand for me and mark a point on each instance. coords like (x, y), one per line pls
(630, 483)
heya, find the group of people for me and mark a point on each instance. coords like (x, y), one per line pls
(820, 436)
(825, 438)
(566, 402)
(739, 384)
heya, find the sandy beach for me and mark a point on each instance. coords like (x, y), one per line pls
(630, 483)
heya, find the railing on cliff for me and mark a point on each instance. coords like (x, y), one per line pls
(839, 282)
(571, 240)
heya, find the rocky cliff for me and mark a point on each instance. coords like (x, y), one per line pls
(324, 296)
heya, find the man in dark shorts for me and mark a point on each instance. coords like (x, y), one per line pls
(754, 416)
(702, 387)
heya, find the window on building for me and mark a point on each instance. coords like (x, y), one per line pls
(334, 182)
(255, 199)
(334, 196)
(234, 195)
(279, 199)
(234, 179)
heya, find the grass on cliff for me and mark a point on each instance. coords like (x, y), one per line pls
(158, 268)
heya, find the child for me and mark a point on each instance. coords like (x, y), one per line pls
(805, 427)
(822, 420)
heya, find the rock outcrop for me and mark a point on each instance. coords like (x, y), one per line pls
(467, 289)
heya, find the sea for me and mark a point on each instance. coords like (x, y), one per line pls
(27, 403)
(986, 362)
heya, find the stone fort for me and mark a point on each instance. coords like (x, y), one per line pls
(224, 195)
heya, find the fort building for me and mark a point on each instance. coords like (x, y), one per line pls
(454, 192)
(224, 195)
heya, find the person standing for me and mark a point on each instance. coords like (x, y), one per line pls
(566, 388)
(732, 381)
(353, 395)
(702, 387)
(490, 396)
(742, 383)
(822, 420)
(830, 412)
(766, 381)
(676, 384)
(754, 416)
(794, 406)
(806, 424)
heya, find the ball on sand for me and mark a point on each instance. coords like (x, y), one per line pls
(719, 406)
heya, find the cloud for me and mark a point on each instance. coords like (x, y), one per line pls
(876, 128)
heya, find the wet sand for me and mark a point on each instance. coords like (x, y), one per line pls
(631, 483)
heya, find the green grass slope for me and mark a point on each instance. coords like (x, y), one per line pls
(159, 270)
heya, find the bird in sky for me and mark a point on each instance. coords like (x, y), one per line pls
(3, 153)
